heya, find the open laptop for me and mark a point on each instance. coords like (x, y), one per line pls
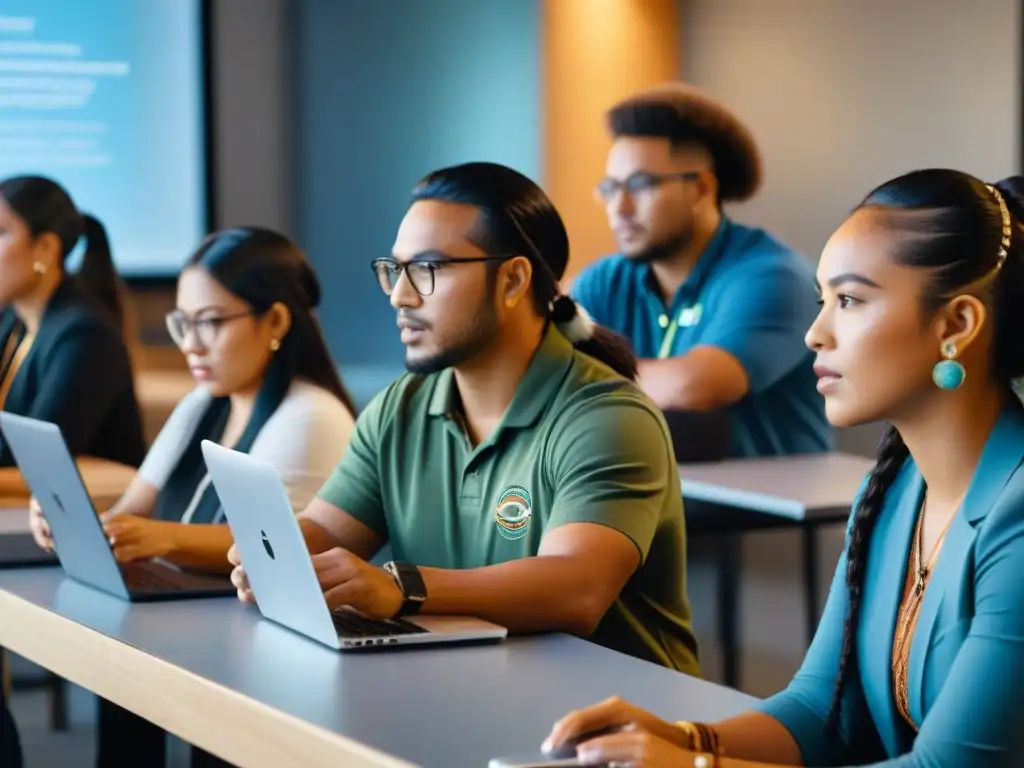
(281, 574)
(80, 543)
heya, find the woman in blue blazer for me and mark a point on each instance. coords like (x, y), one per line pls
(919, 656)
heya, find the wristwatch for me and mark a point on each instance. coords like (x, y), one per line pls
(409, 580)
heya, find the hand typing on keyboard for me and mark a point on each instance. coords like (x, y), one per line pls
(140, 538)
(348, 580)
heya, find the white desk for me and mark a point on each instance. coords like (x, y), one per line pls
(217, 675)
(743, 495)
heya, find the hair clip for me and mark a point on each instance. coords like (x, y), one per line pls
(1004, 212)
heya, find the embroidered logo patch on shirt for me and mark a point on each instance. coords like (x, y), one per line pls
(513, 512)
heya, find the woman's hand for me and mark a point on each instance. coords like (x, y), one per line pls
(40, 528)
(640, 739)
(238, 577)
(139, 538)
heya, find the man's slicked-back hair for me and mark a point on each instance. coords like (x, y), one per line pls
(686, 116)
(517, 217)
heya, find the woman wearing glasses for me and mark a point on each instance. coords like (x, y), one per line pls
(266, 385)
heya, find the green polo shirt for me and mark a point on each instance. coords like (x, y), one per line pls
(578, 444)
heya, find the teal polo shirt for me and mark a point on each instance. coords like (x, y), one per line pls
(749, 295)
(577, 444)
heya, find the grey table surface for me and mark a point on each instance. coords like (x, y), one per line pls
(796, 487)
(17, 547)
(444, 707)
(14, 521)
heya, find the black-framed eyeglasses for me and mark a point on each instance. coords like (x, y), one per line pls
(641, 181)
(206, 329)
(421, 270)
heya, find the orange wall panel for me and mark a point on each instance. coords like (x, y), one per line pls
(595, 53)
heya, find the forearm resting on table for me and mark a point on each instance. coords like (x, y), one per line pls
(204, 547)
(755, 739)
(704, 379)
(534, 594)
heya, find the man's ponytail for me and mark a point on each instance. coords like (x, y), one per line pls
(592, 339)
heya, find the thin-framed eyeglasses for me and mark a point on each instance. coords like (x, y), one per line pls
(206, 329)
(421, 270)
(641, 181)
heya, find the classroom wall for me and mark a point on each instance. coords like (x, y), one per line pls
(253, 114)
(387, 92)
(595, 52)
(841, 97)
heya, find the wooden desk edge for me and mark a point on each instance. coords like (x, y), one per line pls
(229, 724)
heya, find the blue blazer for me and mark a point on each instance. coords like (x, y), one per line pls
(966, 676)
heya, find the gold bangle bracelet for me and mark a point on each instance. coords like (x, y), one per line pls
(695, 743)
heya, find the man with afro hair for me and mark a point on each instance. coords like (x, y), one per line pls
(716, 310)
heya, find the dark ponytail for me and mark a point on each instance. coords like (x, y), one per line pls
(97, 272)
(45, 206)
(517, 218)
(892, 453)
(592, 339)
(611, 349)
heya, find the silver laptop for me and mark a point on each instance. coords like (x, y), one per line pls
(80, 543)
(281, 574)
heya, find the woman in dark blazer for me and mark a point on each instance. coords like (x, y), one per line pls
(62, 353)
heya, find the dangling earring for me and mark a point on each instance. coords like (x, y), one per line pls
(39, 267)
(274, 345)
(948, 373)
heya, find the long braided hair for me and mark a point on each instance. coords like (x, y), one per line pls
(951, 224)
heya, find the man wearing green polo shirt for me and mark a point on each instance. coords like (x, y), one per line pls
(517, 471)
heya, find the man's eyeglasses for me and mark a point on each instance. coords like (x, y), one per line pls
(640, 182)
(206, 329)
(420, 271)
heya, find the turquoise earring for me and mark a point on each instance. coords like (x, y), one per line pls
(948, 373)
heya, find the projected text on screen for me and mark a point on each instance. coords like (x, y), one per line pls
(106, 97)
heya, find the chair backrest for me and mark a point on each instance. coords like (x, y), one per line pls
(699, 436)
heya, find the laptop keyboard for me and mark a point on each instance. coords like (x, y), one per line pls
(351, 624)
(152, 576)
(148, 576)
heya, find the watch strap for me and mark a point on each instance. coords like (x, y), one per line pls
(410, 582)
